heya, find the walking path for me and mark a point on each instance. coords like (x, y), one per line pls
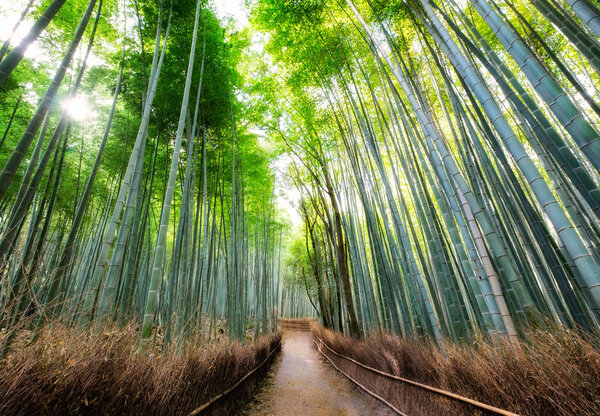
(302, 383)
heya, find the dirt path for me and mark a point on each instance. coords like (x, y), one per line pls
(302, 383)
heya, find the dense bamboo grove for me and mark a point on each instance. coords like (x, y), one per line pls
(157, 210)
(447, 157)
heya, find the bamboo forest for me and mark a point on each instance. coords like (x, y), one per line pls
(299, 207)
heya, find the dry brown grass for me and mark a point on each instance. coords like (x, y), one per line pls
(299, 323)
(68, 373)
(551, 372)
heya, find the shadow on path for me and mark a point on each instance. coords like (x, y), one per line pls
(302, 383)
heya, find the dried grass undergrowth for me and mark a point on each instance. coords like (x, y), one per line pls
(69, 373)
(300, 323)
(555, 372)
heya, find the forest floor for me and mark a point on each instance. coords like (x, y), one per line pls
(302, 383)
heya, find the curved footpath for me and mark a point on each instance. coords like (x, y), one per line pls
(302, 383)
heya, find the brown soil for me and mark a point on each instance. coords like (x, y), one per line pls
(302, 383)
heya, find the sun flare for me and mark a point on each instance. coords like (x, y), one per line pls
(77, 108)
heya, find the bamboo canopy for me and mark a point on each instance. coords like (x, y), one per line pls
(442, 157)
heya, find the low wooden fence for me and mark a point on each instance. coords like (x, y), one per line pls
(204, 407)
(396, 392)
(303, 324)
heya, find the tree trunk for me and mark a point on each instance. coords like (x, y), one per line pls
(14, 57)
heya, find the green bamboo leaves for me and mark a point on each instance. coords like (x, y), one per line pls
(112, 258)
(469, 181)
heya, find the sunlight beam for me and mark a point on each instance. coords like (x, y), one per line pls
(77, 108)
